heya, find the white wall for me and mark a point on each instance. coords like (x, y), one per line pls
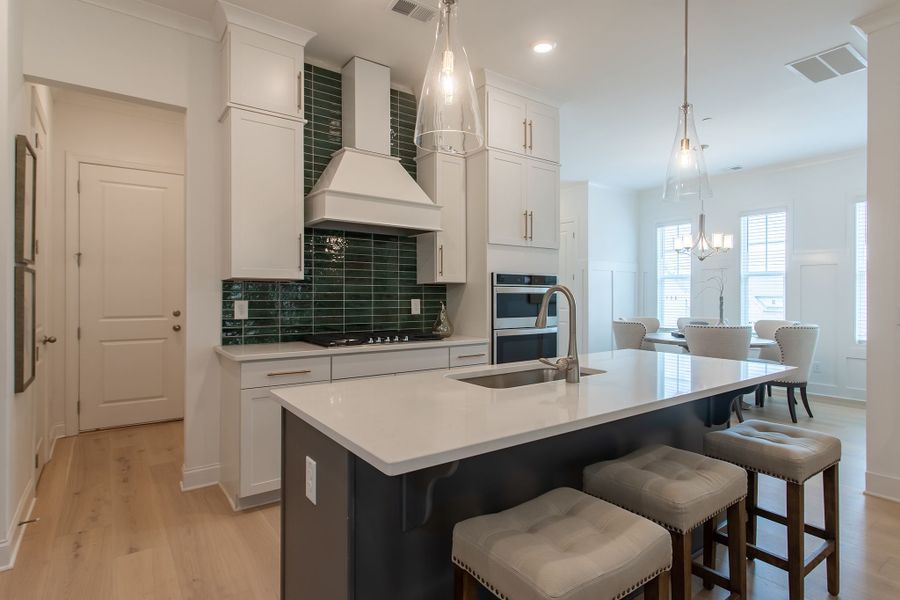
(608, 225)
(97, 128)
(820, 286)
(72, 43)
(883, 408)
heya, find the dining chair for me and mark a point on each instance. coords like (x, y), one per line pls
(731, 342)
(652, 325)
(765, 329)
(685, 321)
(797, 347)
(629, 334)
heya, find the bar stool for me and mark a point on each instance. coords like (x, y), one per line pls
(793, 455)
(680, 490)
(564, 545)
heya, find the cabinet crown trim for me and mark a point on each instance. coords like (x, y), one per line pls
(228, 14)
(491, 79)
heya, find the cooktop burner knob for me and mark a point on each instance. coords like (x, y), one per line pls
(396, 338)
(405, 338)
(371, 341)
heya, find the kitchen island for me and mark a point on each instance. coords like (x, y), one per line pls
(376, 472)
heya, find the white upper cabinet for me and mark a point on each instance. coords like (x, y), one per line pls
(263, 72)
(442, 254)
(264, 237)
(523, 206)
(542, 199)
(517, 124)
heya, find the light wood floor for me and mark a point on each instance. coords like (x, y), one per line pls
(115, 525)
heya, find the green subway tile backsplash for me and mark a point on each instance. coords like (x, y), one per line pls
(354, 282)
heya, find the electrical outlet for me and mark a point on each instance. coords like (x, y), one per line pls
(311, 479)
(817, 367)
(241, 309)
(415, 306)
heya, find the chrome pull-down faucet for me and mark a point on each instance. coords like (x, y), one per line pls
(568, 364)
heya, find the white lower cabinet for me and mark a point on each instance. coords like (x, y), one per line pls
(250, 417)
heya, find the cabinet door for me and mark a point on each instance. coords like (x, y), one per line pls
(264, 72)
(265, 197)
(451, 242)
(543, 131)
(543, 204)
(506, 121)
(260, 442)
(507, 215)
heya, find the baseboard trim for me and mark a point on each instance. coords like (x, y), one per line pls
(882, 486)
(9, 548)
(58, 431)
(199, 477)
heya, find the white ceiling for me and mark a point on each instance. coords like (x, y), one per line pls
(617, 71)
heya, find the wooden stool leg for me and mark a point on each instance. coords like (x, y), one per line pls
(709, 549)
(752, 500)
(681, 566)
(465, 587)
(832, 526)
(792, 403)
(737, 548)
(657, 588)
(805, 399)
(796, 553)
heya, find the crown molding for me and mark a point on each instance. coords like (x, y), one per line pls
(878, 20)
(159, 15)
(227, 13)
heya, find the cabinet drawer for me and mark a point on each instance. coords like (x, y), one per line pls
(288, 371)
(383, 363)
(462, 356)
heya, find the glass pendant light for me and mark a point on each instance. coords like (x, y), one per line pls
(686, 179)
(448, 119)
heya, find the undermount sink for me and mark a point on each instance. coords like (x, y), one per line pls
(499, 381)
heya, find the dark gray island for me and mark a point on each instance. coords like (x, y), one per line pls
(400, 460)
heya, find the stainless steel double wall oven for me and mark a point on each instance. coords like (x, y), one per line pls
(516, 302)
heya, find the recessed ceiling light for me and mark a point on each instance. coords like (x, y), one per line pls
(543, 47)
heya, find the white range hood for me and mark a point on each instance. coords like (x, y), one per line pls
(364, 187)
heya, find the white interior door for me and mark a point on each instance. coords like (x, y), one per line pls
(131, 296)
(569, 276)
(43, 338)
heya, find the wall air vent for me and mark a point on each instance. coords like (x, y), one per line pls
(829, 63)
(419, 11)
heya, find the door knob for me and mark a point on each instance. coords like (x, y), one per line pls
(48, 339)
(176, 327)
(176, 313)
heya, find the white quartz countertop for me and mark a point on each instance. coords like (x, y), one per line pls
(302, 349)
(419, 420)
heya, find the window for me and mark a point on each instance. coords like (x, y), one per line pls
(862, 254)
(763, 257)
(673, 275)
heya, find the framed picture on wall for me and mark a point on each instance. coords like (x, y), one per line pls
(26, 183)
(25, 352)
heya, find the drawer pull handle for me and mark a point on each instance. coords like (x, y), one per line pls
(462, 356)
(280, 373)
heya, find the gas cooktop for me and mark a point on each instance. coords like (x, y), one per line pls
(330, 340)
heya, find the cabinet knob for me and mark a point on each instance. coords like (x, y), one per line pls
(176, 327)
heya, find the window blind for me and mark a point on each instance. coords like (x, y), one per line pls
(673, 275)
(763, 262)
(862, 255)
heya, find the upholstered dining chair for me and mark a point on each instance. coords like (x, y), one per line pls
(721, 342)
(765, 329)
(797, 347)
(685, 321)
(652, 325)
(629, 334)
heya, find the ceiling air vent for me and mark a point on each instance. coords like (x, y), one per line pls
(415, 10)
(829, 64)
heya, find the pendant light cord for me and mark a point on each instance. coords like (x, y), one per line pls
(685, 59)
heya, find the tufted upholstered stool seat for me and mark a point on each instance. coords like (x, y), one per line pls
(680, 490)
(793, 455)
(563, 545)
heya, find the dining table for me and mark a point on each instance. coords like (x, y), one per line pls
(674, 338)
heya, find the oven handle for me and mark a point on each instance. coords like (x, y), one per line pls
(527, 331)
(499, 289)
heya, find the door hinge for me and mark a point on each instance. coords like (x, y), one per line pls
(37, 246)
(78, 186)
(78, 259)
(78, 407)
(35, 460)
(78, 333)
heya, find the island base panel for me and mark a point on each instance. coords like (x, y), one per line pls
(386, 559)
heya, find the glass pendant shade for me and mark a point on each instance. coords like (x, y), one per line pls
(687, 179)
(448, 118)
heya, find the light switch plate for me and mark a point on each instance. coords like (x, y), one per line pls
(415, 306)
(311, 479)
(241, 309)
